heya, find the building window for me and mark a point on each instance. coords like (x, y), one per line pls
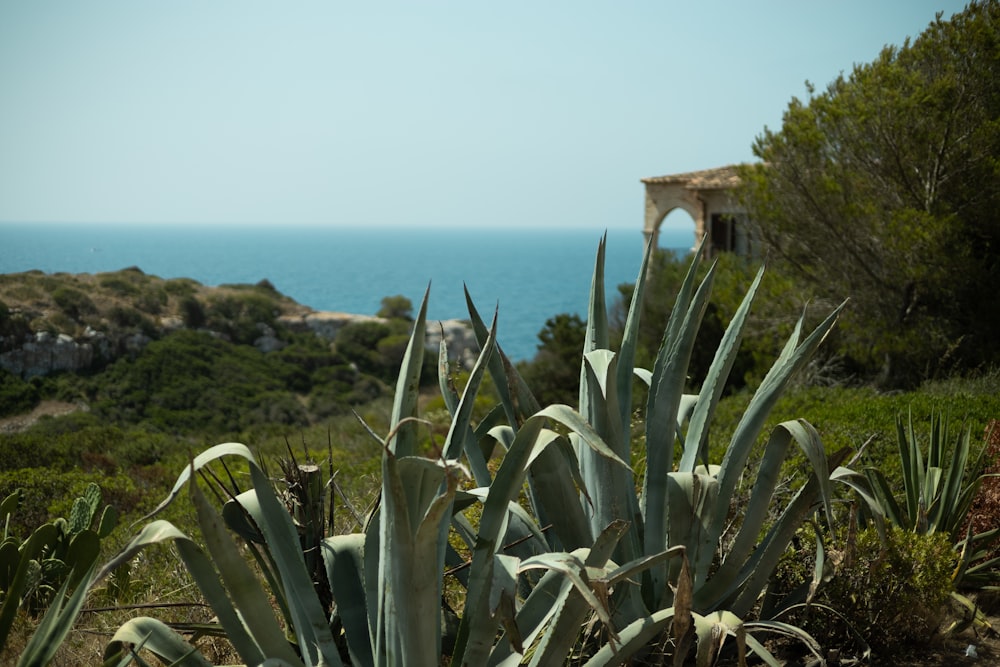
(723, 233)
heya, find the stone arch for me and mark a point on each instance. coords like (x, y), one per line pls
(677, 230)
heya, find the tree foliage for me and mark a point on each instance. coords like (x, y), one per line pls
(554, 373)
(771, 320)
(885, 188)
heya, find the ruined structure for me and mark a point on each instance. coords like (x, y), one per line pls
(708, 197)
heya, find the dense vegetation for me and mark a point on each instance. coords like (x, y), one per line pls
(884, 188)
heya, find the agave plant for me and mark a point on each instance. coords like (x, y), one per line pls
(51, 569)
(939, 486)
(387, 584)
(686, 501)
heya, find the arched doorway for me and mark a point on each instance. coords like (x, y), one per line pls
(677, 233)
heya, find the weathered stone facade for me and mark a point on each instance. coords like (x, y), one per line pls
(707, 196)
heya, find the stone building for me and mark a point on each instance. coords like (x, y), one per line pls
(708, 197)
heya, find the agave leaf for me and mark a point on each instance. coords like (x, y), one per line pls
(542, 604)
(683, 616)
(570, 418)
(669, 374)
(691, 498)
(461, 437)
(550, 600)
(531, 440)
(614, 498)
(554, 501)
(403, 441)
(517, 400)
(630, 338)
(263, 637)
(343, 556)
(862, 486)
(886, 501)
(712, 631)
(445, 384)
(563, 629)
(759, 566)
(596, 337)
(211, 454)
(237, 517)
(203, 572)
(640, 565)
(632, 638)
(696, 441)
(792, 358)
(600, 367)
(476, 629)
(644, 375)
(55, 624)
(571, 607)
(312, 632)
(417, 508)
(30, 549)
(754, 514)
(808, 440)
(156, 637)
(786, 630)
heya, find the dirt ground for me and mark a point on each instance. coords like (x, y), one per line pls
(19, 423)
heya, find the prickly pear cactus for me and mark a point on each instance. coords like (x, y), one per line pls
(57, 552)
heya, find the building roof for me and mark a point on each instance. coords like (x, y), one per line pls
(720, 178)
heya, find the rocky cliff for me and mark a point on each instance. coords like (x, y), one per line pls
(74, 322)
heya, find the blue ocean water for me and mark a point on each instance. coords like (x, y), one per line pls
(531, 274)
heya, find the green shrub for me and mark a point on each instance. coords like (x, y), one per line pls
(554, 373)
(391, 350)
(192, 312)
(896, 595)
(14, 327)
(74, 303)
(396, 307)
(117, 284)
(191, 381)
(358, 341)
(130, 318)
(180, 287)
(237, 316)
(850, 416)
(16, 395)
(47, 494)
(152, 299)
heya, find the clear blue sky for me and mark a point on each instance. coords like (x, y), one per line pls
(401, 113)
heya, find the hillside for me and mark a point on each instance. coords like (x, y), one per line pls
(137, 348)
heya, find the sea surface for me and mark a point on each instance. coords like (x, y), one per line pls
(530, 274)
